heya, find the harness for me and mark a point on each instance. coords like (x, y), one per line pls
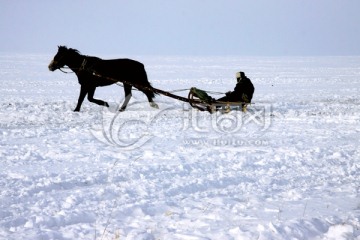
(82, 67)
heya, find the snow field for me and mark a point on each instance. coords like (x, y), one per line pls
(286, 169)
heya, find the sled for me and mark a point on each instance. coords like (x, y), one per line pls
(200, 100)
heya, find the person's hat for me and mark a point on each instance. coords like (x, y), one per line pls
(240, 75)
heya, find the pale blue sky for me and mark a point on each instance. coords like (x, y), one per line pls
(182, 27)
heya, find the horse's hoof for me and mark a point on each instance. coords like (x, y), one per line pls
(154, 105)
(106, 105)
(122, 109)
(77, 110)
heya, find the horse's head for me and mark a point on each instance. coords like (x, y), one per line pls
(61, 58)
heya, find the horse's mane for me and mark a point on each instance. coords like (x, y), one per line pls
(69, 49)
(73, 51)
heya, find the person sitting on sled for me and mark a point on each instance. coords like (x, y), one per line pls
(242, 95)
(243, 91)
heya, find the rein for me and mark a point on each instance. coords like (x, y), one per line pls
(65, 71)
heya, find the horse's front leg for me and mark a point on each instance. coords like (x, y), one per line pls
(83, 92)
(93, 100)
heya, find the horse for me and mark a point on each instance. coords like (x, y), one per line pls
(93, 72)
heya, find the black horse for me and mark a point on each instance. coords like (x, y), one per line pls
(94, 72)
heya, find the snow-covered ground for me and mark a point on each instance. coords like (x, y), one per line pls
(289, 168)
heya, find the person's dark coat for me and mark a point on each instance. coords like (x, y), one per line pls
(243, 91)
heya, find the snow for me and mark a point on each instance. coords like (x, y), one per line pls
(289, 168)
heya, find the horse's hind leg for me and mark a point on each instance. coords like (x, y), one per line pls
(150, 96)
(93, 100)
(127, 89)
